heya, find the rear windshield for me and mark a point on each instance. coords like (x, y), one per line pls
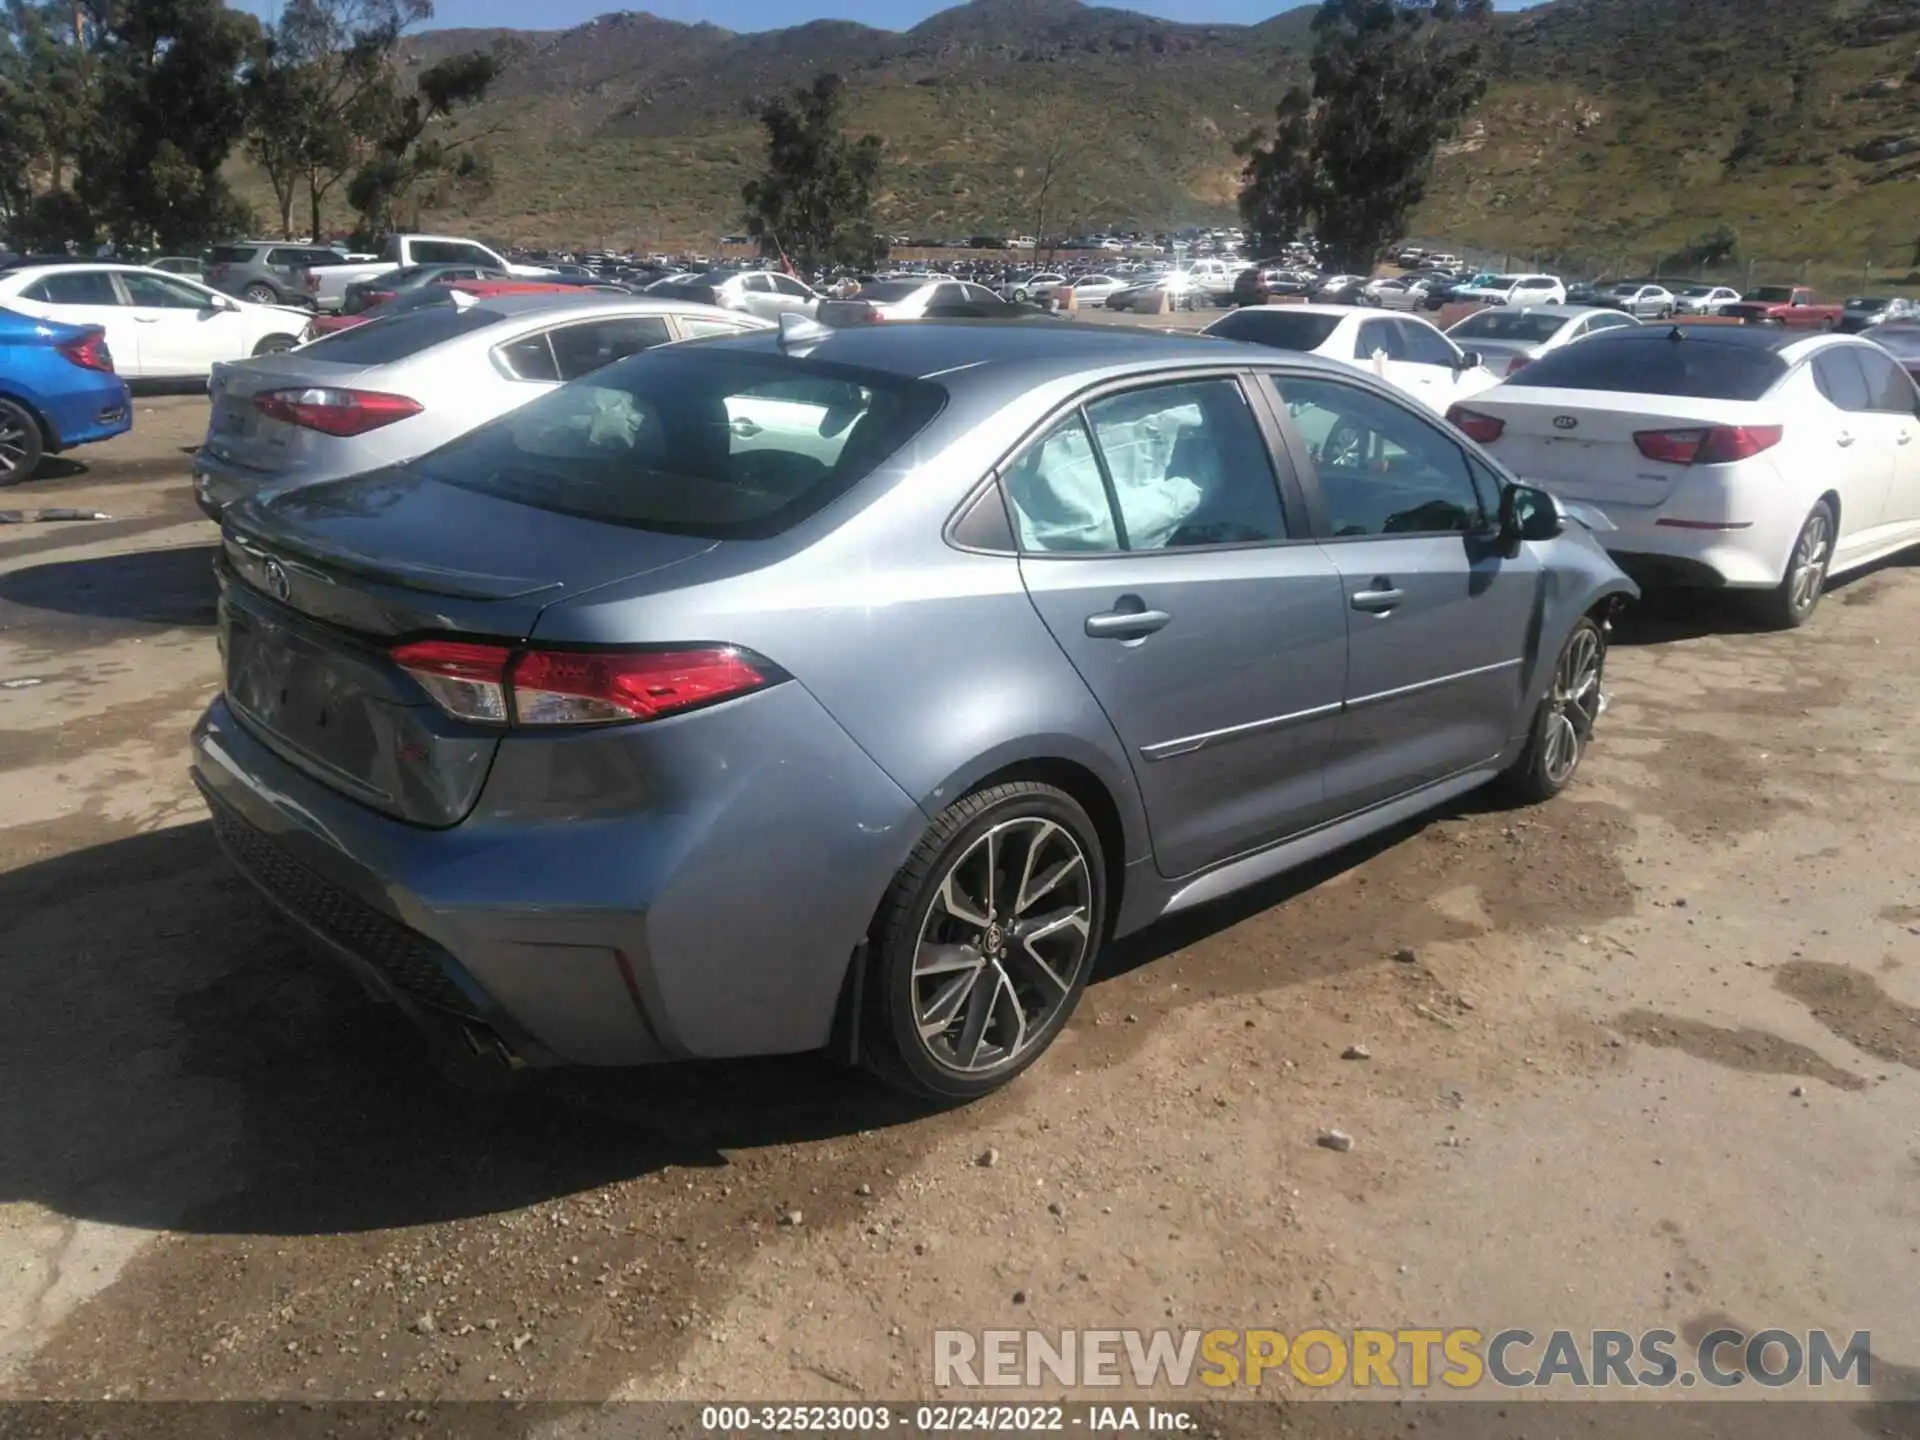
(1523, 326)
(693, 292)
(396, 337)
(1278, 327)
(720, 445)
(1870, 306)
(1694, 369)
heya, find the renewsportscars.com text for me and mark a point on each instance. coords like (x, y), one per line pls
(1457, 1358)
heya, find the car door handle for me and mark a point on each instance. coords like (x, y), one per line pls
(1844, 440)
(146, 319)
(1906, 437)
(744, 428)
(1125, 624)
(1378, 601)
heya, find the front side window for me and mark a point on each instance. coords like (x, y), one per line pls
(1384, 471)
(1889, 389)
(1425, 346)
(163, 292)
(1164, 468)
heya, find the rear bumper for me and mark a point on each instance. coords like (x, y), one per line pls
(99, 412)
(1748, 551)
(577, 928)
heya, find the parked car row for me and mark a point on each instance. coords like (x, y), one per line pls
(533, 610)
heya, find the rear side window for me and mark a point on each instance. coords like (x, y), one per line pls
(1692, 368)
(398, 337)
(75, 287)
(595, 344)
(1841, 380)
(230, 255)
(1277, 326)
(713, 444)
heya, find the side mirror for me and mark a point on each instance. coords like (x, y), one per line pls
(1470, 360)
(1529, 514)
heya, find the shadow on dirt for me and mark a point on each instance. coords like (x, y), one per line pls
(154, 587)
(176, 1058)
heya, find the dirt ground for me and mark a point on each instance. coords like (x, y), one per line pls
(1652, 1063)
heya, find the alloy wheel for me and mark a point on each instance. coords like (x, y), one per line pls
(1002, 945)
(1574, 704)
(1808, 568)
(15, 446)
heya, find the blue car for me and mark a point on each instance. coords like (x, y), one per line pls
(57, 390)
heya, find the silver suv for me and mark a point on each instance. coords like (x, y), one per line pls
(267, 272)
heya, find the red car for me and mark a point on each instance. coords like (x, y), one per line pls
(429, 297)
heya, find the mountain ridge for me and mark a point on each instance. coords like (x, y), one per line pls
(1609, 123)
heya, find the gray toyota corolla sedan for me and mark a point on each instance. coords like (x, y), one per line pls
(851, 688)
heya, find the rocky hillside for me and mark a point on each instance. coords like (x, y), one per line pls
(1613, 124)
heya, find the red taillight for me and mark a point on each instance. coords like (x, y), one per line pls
(1518, 363)
(335, 412)
(89, 352)
(572, 687)
(1483, 429)
(1707, 444)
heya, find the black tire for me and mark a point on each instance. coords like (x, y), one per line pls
(1019, 297)
(275, 344)
(1566, 716)
(22, 445)
(957, 845)
(1791, 603)
(258, 294)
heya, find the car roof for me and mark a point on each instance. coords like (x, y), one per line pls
(1044, 349)
(513, 304)
(44, 268)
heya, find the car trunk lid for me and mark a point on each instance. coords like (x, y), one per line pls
(241, 434)
(318, 584)
(1580, 443)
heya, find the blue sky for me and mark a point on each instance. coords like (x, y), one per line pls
(771, 14)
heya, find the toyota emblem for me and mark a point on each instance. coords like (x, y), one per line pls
(1565, 422)
(277, 583)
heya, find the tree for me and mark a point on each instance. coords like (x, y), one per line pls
(814, 204)
(321, 94)
(1281, 186)
(413, 145)
(168, 112)
(45, 101)
(1392, 80)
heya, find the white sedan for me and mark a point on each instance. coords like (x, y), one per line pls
(1403, 350)
(159, 326)
(1090, 292)
(1757, 459)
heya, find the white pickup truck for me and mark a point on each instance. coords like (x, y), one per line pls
(328, 283)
